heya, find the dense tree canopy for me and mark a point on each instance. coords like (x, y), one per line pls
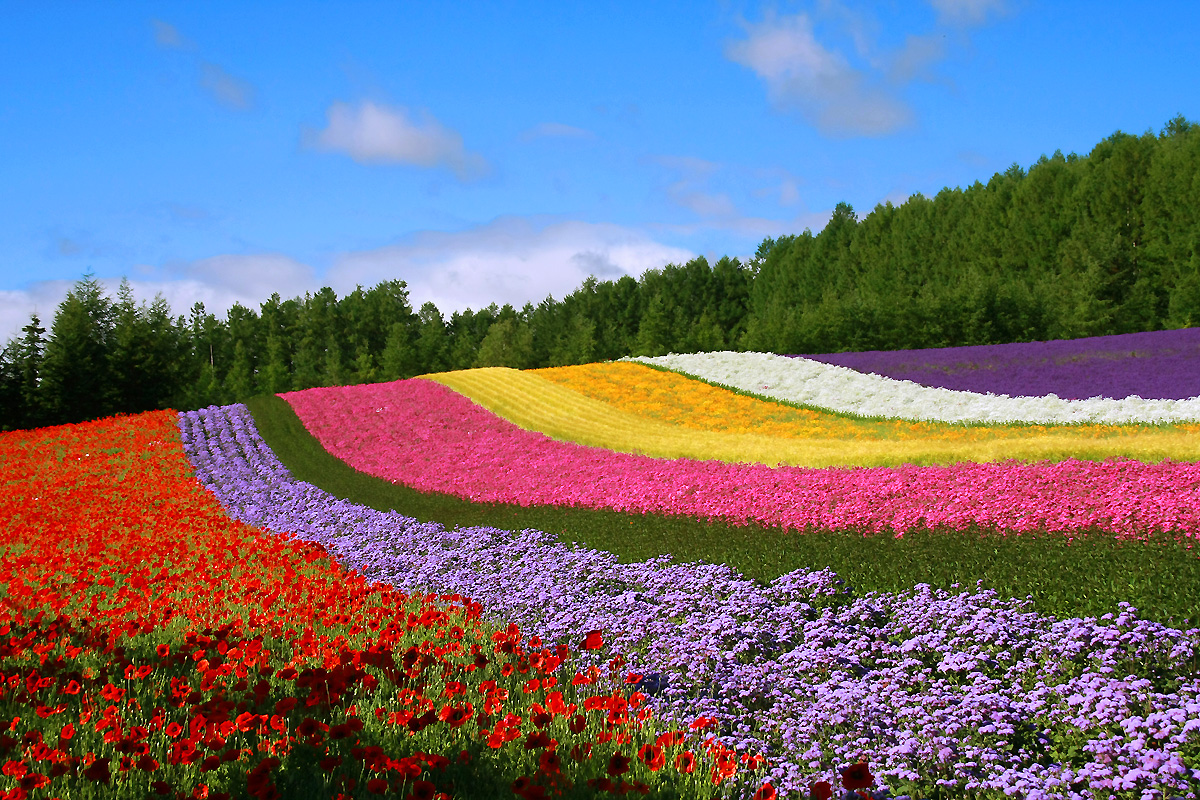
(1075, 246)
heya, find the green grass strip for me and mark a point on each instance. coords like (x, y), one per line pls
(1086, 576)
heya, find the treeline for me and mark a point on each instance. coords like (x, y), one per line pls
(1075, 246)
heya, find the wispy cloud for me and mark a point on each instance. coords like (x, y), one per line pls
(690, 191)
(838, 97)
(821, 84)
(167, 35)
(555, 130)
(228, 90)
(914, 60)
(967, 12)
(376, 134)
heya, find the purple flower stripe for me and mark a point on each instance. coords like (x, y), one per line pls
(964, 689)
(1162, 365)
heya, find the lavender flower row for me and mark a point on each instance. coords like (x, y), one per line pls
(1158, 364)
(966, 690)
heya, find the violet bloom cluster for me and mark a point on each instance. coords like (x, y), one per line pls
(966, 690)
(422, 434)
(1159, 364)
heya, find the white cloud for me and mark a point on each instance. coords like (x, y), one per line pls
(373, 134)
(509, 260)
(555, 130)
(218, 282)
(253, 277)
(821, 84)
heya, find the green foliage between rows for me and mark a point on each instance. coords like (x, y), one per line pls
(1088, 575)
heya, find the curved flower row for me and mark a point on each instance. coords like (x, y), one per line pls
(634, 408)
(1162, 364)
(813, 383)
(152, 646)
(424, 435)
(969, 691)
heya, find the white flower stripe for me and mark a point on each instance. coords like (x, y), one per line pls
(846, 391)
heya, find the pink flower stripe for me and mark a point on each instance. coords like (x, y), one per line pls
(426, 436)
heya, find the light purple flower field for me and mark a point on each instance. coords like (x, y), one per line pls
(969, 691)
(1160, 364)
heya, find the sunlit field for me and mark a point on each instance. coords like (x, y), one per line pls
(608, 579)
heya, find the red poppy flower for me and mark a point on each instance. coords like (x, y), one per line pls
(686, 762)
(537, 739)
(652, 756)
(857, 776)
(618, 764)
(670, 739)
(577, 723)
(593, 640)
(98, 771)
(377, 786)
(582, 752)
(821, 790)
(455, 716)
(766, 792)
(33, 781)
(67, 732)
(550, 762)
(596, 703)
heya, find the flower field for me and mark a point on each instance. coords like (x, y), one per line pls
(154, 647)
(1155, 364)
(421, 434)
(183, 616)
(632, 408)
(960, 690)
(840, 389)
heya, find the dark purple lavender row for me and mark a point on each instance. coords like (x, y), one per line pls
(1156, 365)
(968, 690)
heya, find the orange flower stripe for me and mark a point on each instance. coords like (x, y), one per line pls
(633, 408)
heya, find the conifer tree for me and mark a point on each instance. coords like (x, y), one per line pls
(75, 383)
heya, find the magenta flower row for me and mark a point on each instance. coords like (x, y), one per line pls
(424, 435)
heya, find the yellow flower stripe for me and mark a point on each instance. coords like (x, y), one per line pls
(669, 416)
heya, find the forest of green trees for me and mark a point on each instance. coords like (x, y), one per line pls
(1075, 246)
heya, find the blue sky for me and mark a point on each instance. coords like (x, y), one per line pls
(481, 152)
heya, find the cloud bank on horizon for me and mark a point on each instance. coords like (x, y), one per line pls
(483, 155)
